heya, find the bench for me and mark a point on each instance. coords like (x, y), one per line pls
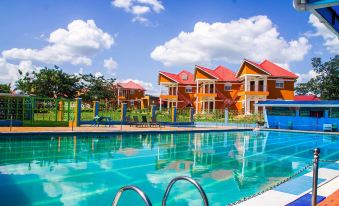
(327, 127)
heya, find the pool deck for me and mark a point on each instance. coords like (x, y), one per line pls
(286, 193)
(112, 129)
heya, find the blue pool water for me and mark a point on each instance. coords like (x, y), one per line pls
(89, 169)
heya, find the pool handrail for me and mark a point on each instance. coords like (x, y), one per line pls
(188, 179)
(141, 193)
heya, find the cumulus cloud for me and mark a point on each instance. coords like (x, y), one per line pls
(255, 38)
(110, 64)
(150, 88)
(9, 73)
(139, 8)
(331, 42)
(76, 45)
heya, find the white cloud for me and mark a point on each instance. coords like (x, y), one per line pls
(303, 78)
(139, 8)
(9, 72)
(255, 38)
(331, 42)
(150, 88)
(110, 64)
(76, 45)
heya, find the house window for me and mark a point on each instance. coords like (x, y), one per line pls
(188, 89)
(227, 87)
(184, 77)
(279, 84)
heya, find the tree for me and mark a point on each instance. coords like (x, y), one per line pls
(326, 83)
(53, 83)
(5, 88)
(96, 87)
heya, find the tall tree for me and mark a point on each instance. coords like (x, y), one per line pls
(96, 87)
(5, 88)
(53, 83)
(326, 83)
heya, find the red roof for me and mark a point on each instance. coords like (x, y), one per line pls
(130, 85)
(306, 98)
(221, 73)
(179, 78)
(272, 69)
(277, 71)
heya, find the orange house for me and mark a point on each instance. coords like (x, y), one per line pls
(217, 89)
(130, 93)
(220, 88)
(264, 81)
(180, 89)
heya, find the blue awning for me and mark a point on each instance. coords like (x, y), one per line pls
(327, 11)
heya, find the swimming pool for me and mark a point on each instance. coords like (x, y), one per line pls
(89, 169)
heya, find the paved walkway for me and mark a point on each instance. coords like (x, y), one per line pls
(115, 128)
(296, 188)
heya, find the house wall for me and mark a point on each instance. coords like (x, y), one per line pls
(249, 69)
(286, 93)
(164, 79)
(202, 75)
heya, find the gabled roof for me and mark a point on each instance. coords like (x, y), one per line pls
(270, 69)
(277, 71)
(220, 73)
(306, 98)
(225, 74)
(178, 78)
(130, 85)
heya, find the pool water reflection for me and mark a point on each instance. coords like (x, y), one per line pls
(88, 170)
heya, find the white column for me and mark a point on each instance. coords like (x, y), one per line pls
(208, 106)
(203, 105)
(118, 96)
(265, 84)
(160, 97)
(176, 104)
(245, 111)
(245, 84)
(255, 106)
(197, 98)
(256, 85)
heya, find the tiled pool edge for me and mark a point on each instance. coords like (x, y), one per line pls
(281, 198)
(122, 132)
(298, 131)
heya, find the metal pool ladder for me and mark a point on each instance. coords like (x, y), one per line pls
(134, 188)
(168, 190)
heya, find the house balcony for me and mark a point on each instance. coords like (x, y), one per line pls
(205, 95)
(168, 97)
(121, 97)
(251, 90)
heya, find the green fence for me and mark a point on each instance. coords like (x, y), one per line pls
(165, 115)
(36, 111)
(110, 109)
(139, 113)
(218, 115)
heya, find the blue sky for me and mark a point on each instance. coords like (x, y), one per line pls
(129, 31)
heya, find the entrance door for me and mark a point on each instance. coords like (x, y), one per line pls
(252, 106)
(261, 85)
(252, 85)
